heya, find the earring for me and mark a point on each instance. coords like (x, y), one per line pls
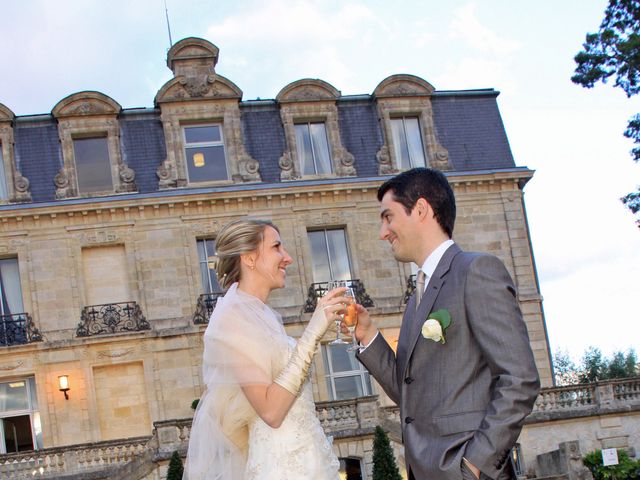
(252, 267)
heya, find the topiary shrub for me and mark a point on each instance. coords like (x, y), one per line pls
(384, 463)
(175, 467)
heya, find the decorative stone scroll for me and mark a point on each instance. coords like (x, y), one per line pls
(17, 186)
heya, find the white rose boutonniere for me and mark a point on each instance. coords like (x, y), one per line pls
(436, 324)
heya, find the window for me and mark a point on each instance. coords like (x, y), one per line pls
(20, 428)
(350, 468)
(207, 261)
(10, 290)
(330, 255)
(204, 152)
(313, 148)
(345, 375)
(93, 167)
(516, 455)
(4, 194)
(407, 141)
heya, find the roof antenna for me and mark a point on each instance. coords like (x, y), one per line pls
(166, 12)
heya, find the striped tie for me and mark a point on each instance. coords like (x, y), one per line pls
(419, 287)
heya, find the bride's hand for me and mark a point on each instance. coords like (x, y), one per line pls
(329, 309)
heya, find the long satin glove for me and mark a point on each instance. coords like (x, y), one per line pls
(296, 370)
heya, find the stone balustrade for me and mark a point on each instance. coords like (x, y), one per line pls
(586, 399)
(342, 417)
(71, 459)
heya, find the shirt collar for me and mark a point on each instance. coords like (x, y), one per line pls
(430, 264)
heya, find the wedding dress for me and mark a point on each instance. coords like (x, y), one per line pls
(246, 344)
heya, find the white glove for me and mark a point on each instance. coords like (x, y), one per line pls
(295, 372)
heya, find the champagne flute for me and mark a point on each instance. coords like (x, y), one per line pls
(350, 319)
(338, 284)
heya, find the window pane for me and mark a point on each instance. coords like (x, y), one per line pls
(342, 360)
(206, 163)
(13, 396)
(93, 168)
(17, 434)
(206, 256)
(348, 387)
(4, 195)
(320, 148)
(320, 256)
(203, 134)
(400, 144)
(338, 254)
(303, 147)
(10, 289)
(414, 142)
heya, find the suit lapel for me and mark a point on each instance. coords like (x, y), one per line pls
(417, 318)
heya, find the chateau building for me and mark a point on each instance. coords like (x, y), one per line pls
(108, 221)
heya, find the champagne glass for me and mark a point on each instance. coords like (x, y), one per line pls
(339, 284)
(350, 319)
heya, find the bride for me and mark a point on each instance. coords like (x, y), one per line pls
(256, 419)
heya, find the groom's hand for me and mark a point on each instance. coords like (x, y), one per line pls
(366, 329)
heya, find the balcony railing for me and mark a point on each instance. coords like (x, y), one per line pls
(73, 459)
(18, 329)
(111, 318)
(204, 307)
(411, 287)
(586, 399)
(317, 290)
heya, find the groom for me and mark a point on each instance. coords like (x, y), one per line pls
(464, 374)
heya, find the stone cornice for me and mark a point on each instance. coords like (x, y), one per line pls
(231, 200)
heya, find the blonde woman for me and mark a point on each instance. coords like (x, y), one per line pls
(256, 419)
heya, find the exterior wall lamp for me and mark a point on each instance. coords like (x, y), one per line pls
(63, 385)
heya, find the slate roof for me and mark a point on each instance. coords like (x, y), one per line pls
(467, 124)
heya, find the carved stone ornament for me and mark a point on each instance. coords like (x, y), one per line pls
(385, 166)
(61, 181)
(86, 103)
(21, 188)
(344, 167)
(249, 168)
(287, 172)
(198, 87)
(308, 89)
(166, 175)
(127, 179)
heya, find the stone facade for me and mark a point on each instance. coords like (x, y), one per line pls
(129, 385)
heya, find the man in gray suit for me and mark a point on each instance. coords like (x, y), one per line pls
(464, 374)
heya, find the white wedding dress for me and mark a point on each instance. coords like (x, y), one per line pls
(245, 344)
(297, 450)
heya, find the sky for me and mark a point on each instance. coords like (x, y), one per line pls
(585, 243)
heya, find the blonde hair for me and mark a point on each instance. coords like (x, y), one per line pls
(236, 238)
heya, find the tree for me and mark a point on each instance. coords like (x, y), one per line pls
(614, 51)
(384, 463)
(564, 370)
(626, 467)
(175, 467)
(594, 367)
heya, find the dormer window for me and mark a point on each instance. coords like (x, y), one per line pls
(313, 148)
(204, 152)
(407, 139)
(93, 167)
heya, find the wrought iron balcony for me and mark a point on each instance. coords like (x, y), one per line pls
(111, 318)
(411, 287)
(18, 329)
(317, 290)
(204, 307)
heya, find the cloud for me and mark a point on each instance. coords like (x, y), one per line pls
(466, 25)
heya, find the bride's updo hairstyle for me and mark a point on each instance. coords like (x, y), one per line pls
(234, 239)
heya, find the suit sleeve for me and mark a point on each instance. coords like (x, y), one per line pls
(501, 334)
(380, 360)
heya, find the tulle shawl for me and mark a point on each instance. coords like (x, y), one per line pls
(244, 344)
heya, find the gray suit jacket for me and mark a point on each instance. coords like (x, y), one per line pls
(469, 396)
